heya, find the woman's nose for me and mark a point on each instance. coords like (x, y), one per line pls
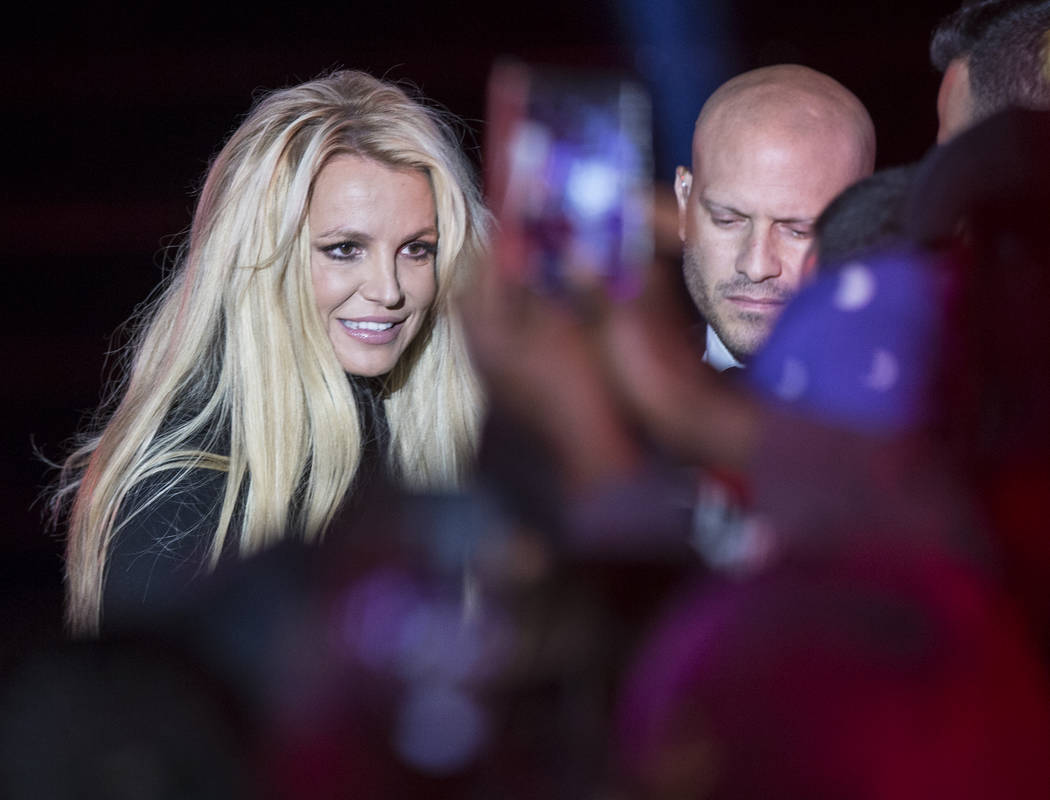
(382, 284)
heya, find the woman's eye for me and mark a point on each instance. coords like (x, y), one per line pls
(343, 251)
(420, 251)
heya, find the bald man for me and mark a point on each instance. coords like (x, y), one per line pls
(771, 148)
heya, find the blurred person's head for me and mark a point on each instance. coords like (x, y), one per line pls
(844, 382)
(138, 718)
(863, 218)
(871, 677)
(771, 148)
(993, 54)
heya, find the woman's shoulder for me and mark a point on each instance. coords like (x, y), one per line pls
(162, 541)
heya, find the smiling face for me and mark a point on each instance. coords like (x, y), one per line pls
(373, 245)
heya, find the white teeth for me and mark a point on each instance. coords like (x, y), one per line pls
(366, 326)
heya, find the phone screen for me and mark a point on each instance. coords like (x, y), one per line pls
(569, 176)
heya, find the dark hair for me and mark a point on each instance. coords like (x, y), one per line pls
(864, 217)
(1005, 42)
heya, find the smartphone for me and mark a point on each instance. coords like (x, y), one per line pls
(568, 160)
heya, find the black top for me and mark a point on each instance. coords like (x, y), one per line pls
(161, 549)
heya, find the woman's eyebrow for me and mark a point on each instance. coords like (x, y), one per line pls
(430, 230)
(361, 236)
(345, 233)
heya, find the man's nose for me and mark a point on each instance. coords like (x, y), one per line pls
(759, 259)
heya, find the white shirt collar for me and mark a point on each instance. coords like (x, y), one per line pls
(716, 354)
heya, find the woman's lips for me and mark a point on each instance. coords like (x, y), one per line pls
(372, 331)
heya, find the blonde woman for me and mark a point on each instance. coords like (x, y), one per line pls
(329, 238)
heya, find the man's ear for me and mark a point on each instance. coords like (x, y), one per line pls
(683, 184)
(954, 100)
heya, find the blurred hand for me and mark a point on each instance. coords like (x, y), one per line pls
(653, 364)
(600, 380)
(540, 365)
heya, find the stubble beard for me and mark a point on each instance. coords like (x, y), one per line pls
(743, 333)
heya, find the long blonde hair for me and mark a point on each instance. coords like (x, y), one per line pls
(234, 351)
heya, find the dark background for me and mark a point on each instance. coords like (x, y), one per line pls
(111, 117)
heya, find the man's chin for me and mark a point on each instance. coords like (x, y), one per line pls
(742, 345)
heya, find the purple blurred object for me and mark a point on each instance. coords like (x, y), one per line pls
(856, 348)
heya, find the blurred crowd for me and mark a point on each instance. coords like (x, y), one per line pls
(771, 532)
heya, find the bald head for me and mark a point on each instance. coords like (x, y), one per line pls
(771, 149)
(797, 103)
